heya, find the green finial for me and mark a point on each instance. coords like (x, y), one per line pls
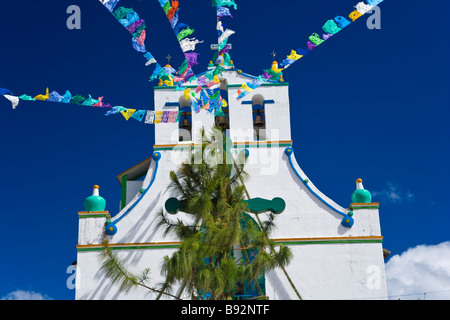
(361, 195)
(95, 202)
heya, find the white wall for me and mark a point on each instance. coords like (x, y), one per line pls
(133, 188)
(331, 272)
(91, 285)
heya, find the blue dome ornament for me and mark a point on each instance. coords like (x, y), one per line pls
(156, 156)
(111, 228)
(361, 195)
(288, 151)
(94, 202)
(348, 221)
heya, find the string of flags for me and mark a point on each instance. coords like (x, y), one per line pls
(149, 116)
(210, 100)
(206, 95)
(201, 98)
(223, 10)
(131, 21)
(54, 96)
(182, 31)
(330, 28)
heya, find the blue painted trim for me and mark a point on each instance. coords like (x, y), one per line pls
(265, 102)
(289, 151)
(172, 104)
(156, 156)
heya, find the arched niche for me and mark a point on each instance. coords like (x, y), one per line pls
(259, 118)
(185, 123)
(223, 120)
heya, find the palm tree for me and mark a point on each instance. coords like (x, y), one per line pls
(224, 250)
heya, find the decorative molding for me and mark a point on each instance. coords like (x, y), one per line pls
(330, 240)
(129, 246)
(284, 241)
(356, 206)
(251, 144)
(94, 214)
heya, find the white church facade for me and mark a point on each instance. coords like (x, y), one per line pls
(337, 251)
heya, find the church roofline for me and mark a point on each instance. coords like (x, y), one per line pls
(240, 72)
(347, 220)
(136, 171)
(272, 84)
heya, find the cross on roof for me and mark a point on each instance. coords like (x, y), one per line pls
(273, 54)
(169, 57)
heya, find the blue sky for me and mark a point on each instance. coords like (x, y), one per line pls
(370, 104)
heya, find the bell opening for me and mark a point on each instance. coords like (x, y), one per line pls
(259, 117)
(185, 129)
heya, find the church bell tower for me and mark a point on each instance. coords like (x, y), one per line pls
(337, 251)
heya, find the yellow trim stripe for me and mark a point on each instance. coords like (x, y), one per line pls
(94, 213)
(141, 244)
(184, 145)
(280, 240)
(329, 238)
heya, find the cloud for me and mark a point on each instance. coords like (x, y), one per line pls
(419, 270)
(392, 193)
(25, 295)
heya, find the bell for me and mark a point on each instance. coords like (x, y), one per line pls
(259, 122)
(185, 124)
(222, 122)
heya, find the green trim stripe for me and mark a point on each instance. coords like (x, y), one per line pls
(329, 242)
(85, 216)
(235, 146)
(170, 148)
(364, 207)
(123, 201)
(128, 248)
(93, 214)
(262, 145)
(175, 246)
